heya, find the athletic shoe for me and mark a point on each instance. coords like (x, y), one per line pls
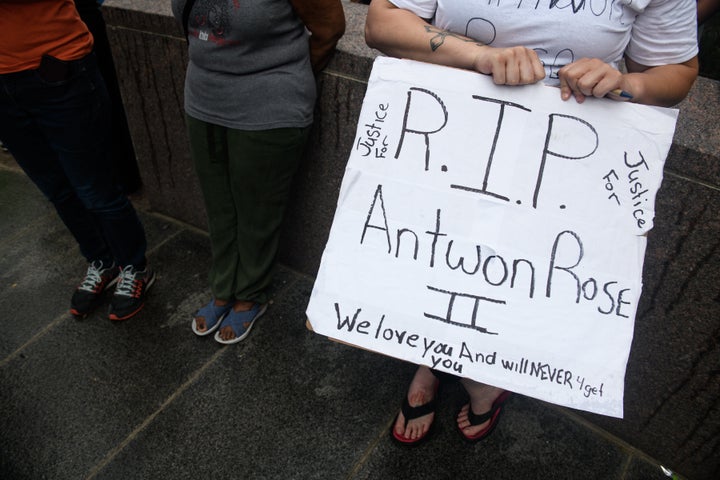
(88, 296)
(130, 292)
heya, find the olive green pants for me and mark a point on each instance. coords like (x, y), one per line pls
(245, 177)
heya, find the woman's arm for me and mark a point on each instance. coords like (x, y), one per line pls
(400, 33)
(663, 85)
(325, 20)
(662, 35)
(706, 9)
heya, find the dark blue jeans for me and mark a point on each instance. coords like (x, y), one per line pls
(56, 123)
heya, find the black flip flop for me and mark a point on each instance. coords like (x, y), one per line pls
(411, 413)
(493, 415)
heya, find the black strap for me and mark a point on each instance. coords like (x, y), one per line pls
(476, 419)
(411, 413)
(186, 17)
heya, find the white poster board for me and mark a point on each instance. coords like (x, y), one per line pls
(494, 232)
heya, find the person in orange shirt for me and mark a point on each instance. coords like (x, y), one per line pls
(55, 121)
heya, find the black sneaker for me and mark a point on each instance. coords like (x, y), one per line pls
(88, 296)
(130, 292)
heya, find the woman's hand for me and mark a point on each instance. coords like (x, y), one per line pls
(663, 85)
(509, 66)
(591, 77)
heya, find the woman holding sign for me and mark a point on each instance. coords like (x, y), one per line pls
(576, 46)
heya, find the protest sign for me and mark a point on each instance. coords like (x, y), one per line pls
(494, 232)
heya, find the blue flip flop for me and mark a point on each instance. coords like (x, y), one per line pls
(241, 323)
(213, 316)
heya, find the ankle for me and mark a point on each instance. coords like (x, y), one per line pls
(243, 306)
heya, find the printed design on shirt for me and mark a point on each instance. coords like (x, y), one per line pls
(562, 58)
(210, 21)
(481, 30)
(485, 32)
(613, 9)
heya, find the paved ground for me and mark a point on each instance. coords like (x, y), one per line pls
(146, 399)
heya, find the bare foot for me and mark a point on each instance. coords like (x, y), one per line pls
(422, 390)
(200, 321)
(481, 399)
(226, 332)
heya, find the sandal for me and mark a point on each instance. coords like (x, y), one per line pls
(241, 323)
(491, 415)
(213, 315)
(411, 413)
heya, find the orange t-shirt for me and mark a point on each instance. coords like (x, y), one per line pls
(30, 29)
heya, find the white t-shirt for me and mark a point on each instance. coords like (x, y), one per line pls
(650, 32)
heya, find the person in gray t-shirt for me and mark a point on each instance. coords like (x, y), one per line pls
(249, 98)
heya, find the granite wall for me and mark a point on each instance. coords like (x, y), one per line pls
(672, 403)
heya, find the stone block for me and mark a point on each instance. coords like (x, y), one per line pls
(151, 72)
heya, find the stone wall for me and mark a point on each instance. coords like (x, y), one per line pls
(672, 401)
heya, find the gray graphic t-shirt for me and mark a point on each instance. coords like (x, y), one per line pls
(249, 64)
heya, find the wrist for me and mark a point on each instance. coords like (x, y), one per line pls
(480, 59)
(632, 83)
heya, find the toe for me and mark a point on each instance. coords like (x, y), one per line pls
(411, 432)
(420, 430)
(200, 324)
(462, 418)
(463, 421)
(418, 427)
(400, 425)
(464, 424)
(226, 333)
